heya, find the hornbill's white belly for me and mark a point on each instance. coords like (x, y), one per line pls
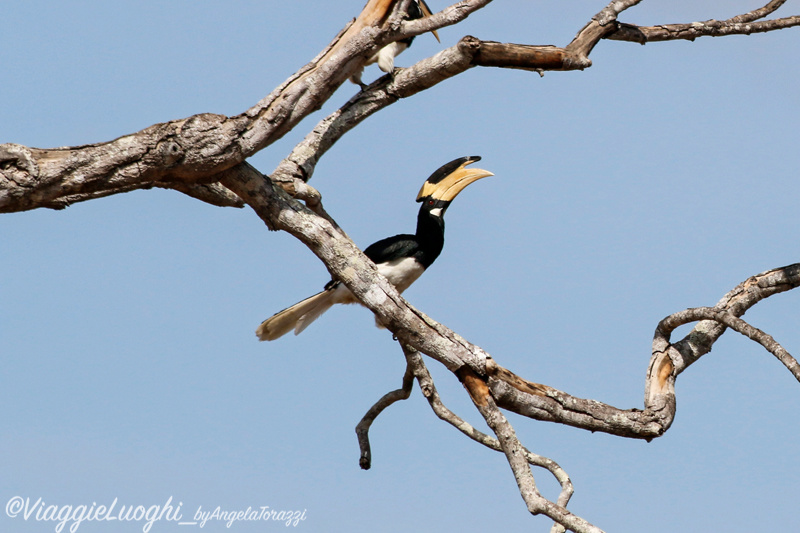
(401, 272)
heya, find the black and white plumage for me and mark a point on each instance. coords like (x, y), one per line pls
(401, 259)
(384, 57)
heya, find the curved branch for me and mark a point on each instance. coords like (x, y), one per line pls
(736, 302)
(362, 429)
(691, 31)
(346, 263)
(759, 13)
(727, 319)
(467, 53)
(598, 28)
(743, 24)
(428, 388)
(196, 149)
(300, 164)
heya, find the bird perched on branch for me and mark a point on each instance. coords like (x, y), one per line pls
(385, 56)
(401, 259)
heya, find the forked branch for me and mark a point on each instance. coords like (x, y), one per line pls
(727, 319)
(488, 379)
(744, 24)
(346, 263)
(515, 454)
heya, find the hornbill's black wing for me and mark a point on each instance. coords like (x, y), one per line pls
(391, 248)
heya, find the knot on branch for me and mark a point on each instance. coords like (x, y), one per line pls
(19, 174)
(469, 45)
(168, 153)
(300, 190)
(18, 165)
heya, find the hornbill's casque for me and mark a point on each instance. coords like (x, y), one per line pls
(385, 56)
(401, 259)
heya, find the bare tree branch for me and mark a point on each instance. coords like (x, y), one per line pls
(196, 149)
(598, 28)
(467, 53)
(511, 392)
(362, 429)
(210, 193)
(612, 10)
(387, 90)
(741, 298)
(670, 323)
(415, 368)
(743, 24)
(428, 388)
(515, 454)
(759, 13)
(446, 17)
(691, 31)
(191, 150)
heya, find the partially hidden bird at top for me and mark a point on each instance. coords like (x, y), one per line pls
(417, 9)
(400, 259)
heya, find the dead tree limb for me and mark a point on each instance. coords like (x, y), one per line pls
(425, 380)
(205, 155)
(515, 454)
(541, 402)
(362, 429)
(744, 24)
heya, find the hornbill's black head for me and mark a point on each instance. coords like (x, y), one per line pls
(444, 185)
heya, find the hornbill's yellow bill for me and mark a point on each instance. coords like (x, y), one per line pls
(448, 183)
(401, 259)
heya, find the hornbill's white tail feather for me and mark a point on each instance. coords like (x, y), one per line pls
(296, 317)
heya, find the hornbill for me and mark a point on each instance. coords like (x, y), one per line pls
(401, 259)
(385, 56)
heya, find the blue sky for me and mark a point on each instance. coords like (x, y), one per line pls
(654, 181)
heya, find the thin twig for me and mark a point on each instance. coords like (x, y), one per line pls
(514, 452)
(759, 13)
(426, 385)
(744, 24)
(362, 429)
(737, 301)
(724, 317)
